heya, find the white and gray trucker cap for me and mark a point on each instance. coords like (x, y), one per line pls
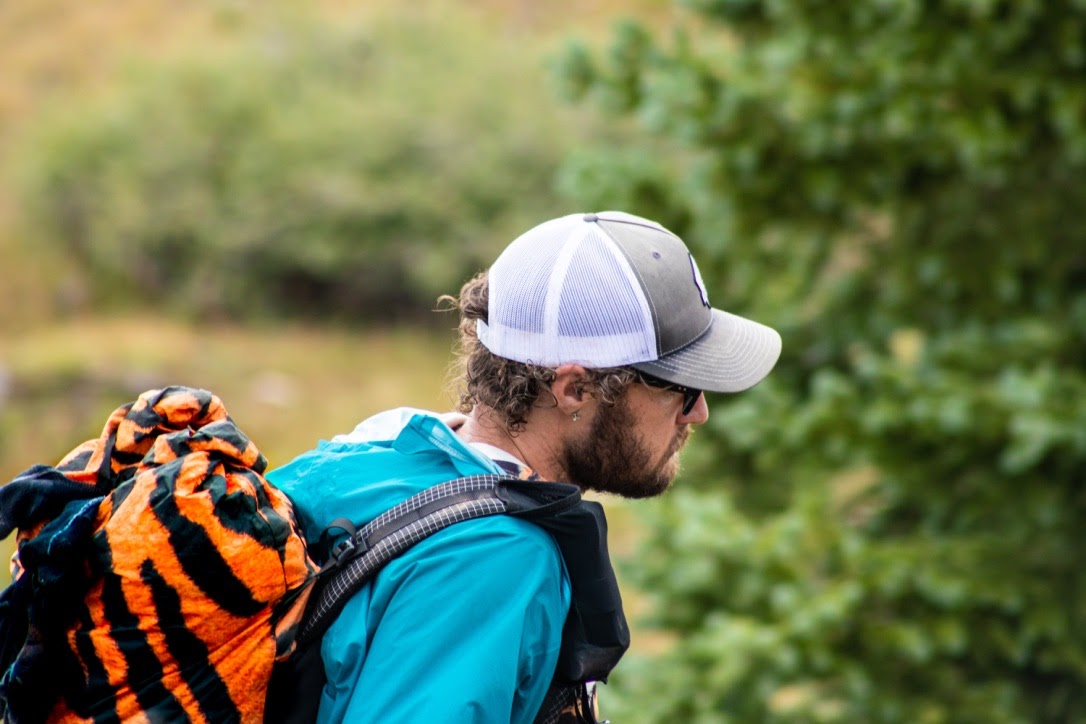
(611, 290)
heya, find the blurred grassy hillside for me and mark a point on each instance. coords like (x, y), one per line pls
(62, 363)
(286, 387)
(66, 363)
(70, 66)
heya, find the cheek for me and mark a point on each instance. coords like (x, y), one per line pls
(654, 416)
(662, 450)
(677, 444)
(654, 407)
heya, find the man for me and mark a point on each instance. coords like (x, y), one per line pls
(586, 348)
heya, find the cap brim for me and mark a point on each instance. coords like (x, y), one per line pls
(733, 355)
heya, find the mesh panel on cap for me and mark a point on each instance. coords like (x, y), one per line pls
(564, 293)
(597, 298)
(518, 282)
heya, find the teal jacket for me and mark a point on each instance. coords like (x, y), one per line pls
(463, 627)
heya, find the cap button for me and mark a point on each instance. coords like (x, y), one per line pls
(591, 217)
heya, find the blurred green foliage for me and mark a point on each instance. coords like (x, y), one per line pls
(898, 187)
(348, 171)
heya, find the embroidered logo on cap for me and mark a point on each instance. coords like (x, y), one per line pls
(698, 281)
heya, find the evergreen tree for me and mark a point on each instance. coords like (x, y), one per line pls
(888, 529)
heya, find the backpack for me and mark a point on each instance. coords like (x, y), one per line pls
(159, 575)
(595, 635)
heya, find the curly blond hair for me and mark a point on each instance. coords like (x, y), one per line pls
(508, 387)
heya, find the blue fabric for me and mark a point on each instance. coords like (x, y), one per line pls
(464, 627)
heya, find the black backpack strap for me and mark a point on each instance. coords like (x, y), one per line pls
(595, 635)
(536, 500)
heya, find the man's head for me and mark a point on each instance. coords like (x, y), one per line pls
(604, 319)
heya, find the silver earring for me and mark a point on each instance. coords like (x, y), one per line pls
(576, 416)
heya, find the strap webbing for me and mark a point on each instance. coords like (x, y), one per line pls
(363, 554)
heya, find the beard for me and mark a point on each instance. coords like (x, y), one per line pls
(611, 459)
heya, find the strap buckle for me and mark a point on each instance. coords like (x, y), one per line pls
(344, 550)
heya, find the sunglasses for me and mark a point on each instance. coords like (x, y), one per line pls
(690, 395)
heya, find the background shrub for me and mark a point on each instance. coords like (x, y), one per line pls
(350, 171)
(897, 187)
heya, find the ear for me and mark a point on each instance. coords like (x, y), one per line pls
(568, 388)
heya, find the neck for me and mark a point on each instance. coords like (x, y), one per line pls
(529, 446)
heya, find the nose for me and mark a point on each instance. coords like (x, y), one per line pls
(698, 415)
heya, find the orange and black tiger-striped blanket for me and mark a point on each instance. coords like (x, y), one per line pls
(158, 575)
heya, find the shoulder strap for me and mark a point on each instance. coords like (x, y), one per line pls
(595, 634)
(360, 555)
